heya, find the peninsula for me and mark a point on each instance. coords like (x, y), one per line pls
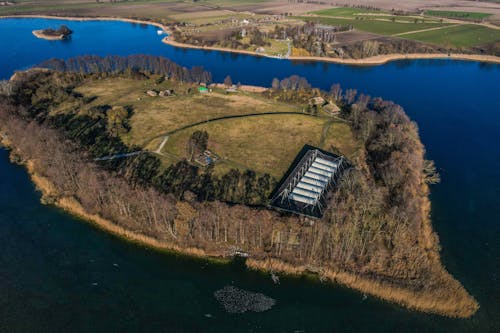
(61, 33)
(158, 154)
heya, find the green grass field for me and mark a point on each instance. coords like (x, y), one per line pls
(376, 26)
(266, 143)
(373, 15)
(345, 12)
(457, 15)
(458, 36)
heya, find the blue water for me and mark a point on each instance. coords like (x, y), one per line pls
(49, 260)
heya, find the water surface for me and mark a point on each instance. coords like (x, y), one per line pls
(59, 274)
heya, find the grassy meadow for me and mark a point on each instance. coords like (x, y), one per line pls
(266, 143)
(382, 27)
(460, 36)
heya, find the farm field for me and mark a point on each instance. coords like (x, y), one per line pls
(380, 27)
(372, 15)
(345, 12)
(146, 9)
(458, 15)
(220, 23)
(458, 36)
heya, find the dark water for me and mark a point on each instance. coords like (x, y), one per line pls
(59, 274)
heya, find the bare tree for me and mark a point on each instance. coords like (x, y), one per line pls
(228, 82)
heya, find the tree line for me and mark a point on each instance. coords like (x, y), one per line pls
(140, 63)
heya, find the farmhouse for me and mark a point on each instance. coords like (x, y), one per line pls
(304, 190)
(318, 101)
(331, 108)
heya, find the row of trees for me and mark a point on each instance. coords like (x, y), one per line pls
(62, 30)
(369, 48)
(117, 64)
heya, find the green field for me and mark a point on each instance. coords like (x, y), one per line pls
(373, 15)
(457, 15)
(345, 12)
(458, 36)
(376, 26)
(266, 143)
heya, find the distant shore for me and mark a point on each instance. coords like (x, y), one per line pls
(375, 60)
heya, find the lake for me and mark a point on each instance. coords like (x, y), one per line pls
(58, 273)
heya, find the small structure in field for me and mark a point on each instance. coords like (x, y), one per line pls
(318, 101)
(166, 93)
(206, 158)
(305, 188)
(202, 90)
(331, 108)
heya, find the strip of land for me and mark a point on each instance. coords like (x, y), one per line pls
(375, 60)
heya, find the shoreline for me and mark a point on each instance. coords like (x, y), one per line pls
(370, 61)
(425, 302)
(381, 290)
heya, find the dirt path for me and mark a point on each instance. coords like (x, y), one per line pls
(324, 133)
(162, 144)
(113, 157)
(424, 30)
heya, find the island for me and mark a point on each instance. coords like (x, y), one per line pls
(292, 179)
(61, 33)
